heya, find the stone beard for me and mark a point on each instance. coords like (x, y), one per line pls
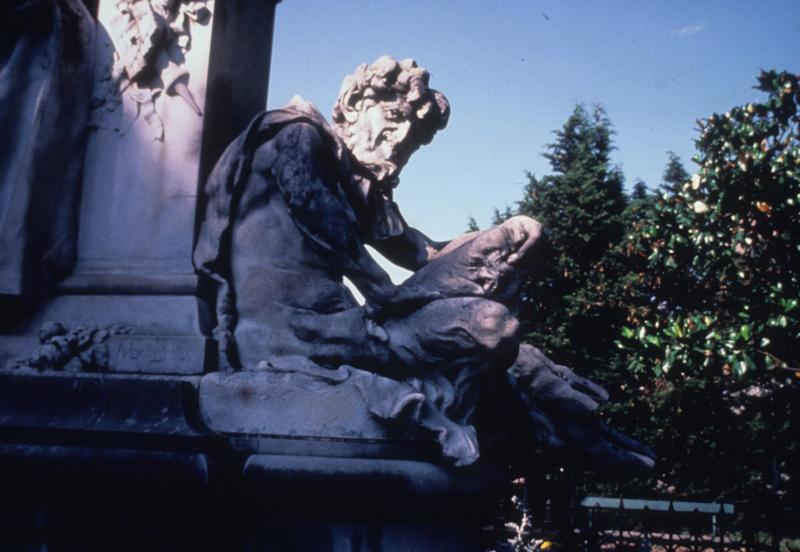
(292, 204)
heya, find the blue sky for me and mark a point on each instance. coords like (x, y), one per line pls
(513, 71)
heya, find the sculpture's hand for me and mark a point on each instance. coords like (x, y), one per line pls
(479, 264)
(562, 408)
(524, 234)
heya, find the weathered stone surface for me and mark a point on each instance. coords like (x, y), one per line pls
(146, 354)
(32, 400)
(79, 497)
(58, 496)
(312, 411)
(119, 468)
(390, 505)
(381, 482)
(144, 314)
(164, 102)
(289, 403)
(152, 125)
(156, 334)
(142, 159)
(112, 350)
(14, 348)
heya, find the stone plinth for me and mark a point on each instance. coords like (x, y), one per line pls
(116, 461)
(317, 503)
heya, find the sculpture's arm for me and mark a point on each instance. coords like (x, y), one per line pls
(490, 264)
(304, 170)
(411, 250)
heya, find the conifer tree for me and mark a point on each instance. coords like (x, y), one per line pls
(571, 308)
(674, 174)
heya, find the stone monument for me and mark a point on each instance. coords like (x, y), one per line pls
(180, 360)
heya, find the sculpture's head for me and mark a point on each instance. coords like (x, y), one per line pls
(385, 112)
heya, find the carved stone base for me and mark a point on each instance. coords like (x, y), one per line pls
(304, 413)
(153, 334)
(369, 505)
(79, 498)
(149, 314)
(124, 461)
(245, 413)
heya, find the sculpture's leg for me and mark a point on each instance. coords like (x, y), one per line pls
(457, 331)
(444, 351)
(342, 337)
(451, 346)
(461, 330)
(441, 356)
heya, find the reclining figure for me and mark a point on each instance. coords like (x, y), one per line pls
(291, 206)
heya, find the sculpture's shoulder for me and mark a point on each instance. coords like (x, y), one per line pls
(237, 160)
(253, 150)
(302, 116)
(297, 109)
(297, 128)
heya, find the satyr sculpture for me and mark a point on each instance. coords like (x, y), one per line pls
(291, 206)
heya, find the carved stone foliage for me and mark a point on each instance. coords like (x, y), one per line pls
(151, 38)
(78, 350)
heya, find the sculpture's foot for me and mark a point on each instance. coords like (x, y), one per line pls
(562, 411)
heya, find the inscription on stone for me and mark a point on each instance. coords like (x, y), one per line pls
(157, 355)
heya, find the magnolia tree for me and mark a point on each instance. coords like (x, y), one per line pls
(720, 326)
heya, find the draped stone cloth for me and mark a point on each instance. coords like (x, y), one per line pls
(45, 86)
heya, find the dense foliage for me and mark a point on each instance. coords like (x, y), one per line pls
(698, 283)
(724, 261)
(723, 275)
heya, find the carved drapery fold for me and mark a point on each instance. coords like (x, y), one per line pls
(45, 79)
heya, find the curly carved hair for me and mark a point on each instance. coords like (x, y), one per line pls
(390, 80)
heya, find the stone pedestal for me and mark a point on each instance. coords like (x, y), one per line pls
(115, 461)
(317, 503)
(127, 499)
(151, 147)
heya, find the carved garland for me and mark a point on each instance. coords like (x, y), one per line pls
(151, 38)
